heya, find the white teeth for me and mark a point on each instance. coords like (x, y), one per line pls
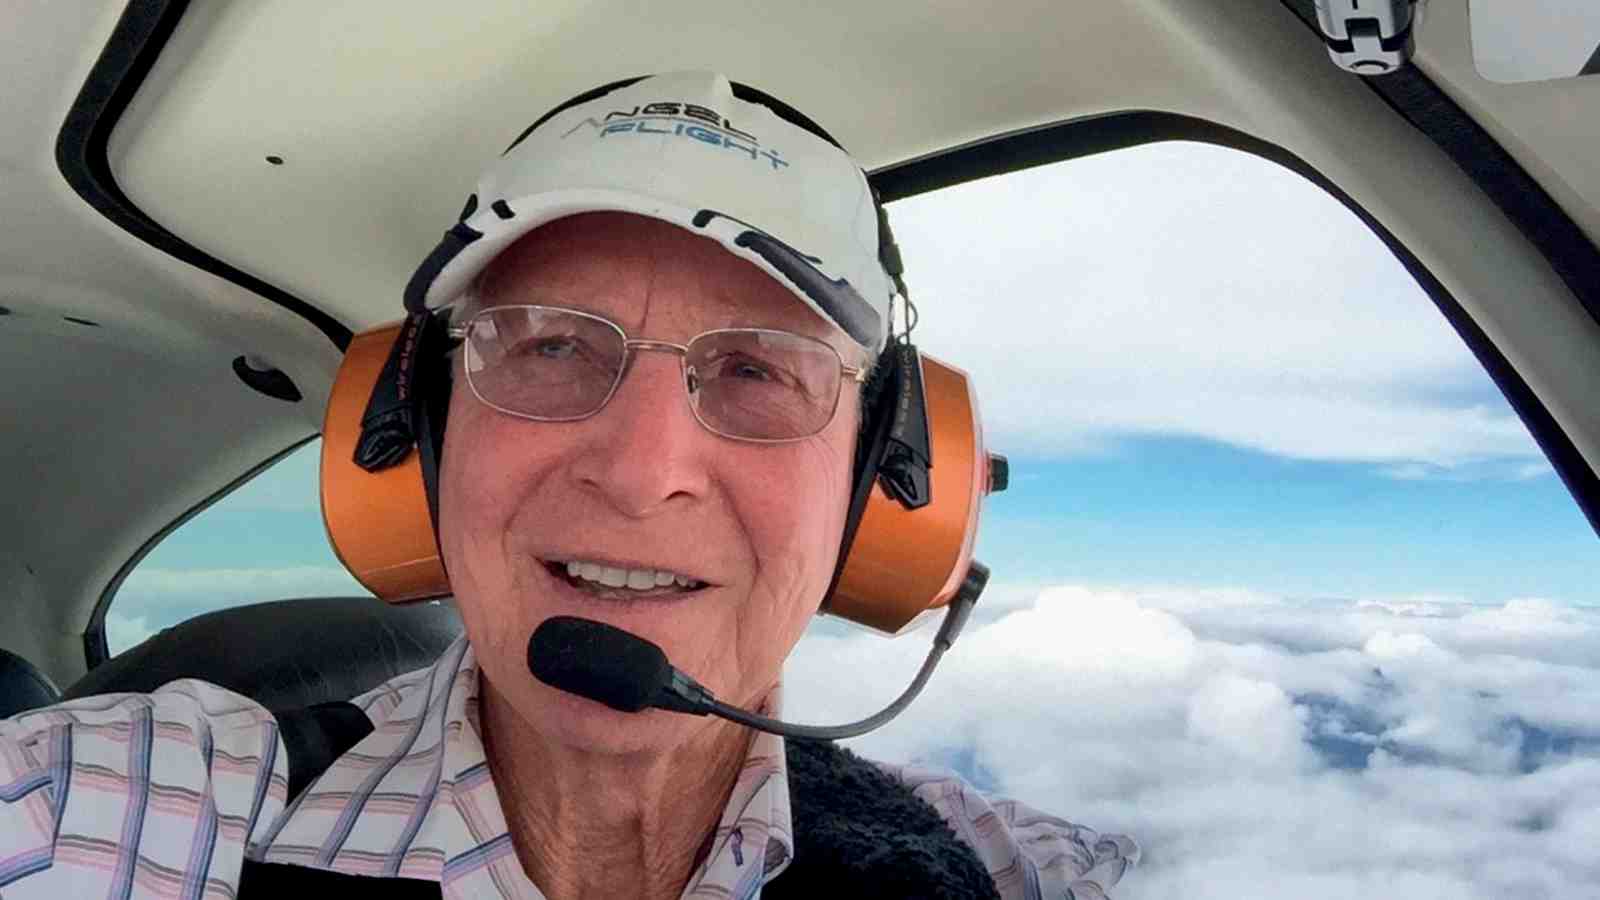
(634, 579)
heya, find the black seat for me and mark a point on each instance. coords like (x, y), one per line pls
(23, 686)
(285, 654)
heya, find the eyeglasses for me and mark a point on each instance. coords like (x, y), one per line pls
(551, 364)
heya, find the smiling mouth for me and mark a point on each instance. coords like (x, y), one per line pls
(610, 583)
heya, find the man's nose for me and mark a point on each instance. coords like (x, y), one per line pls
(646, 450)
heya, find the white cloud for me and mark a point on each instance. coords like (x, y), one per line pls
(154, 598)
(1249, 719)
(1428, 605)
(1532, 470)
(123, 631)
(1529, 617)
(1388, 646)
(1260, 747)
(1184, 289)
(226, 585)
(1511, 469)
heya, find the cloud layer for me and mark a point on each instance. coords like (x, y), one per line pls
(154, 598)
(1406, 747)
(1185, 289)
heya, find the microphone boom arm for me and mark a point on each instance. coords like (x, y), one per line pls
(683, 694)
(605, 664)
(834, 732)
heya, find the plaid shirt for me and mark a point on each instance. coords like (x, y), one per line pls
(161, 795)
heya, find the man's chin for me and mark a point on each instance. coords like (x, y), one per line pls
(582, 725)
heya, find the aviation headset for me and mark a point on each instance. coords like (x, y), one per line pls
(908, 538)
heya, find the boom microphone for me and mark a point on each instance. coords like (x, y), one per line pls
(593, 660)
(605, 664)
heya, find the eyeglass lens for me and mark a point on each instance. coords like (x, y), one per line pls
(560, 365)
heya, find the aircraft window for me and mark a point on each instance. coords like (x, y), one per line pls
(1534, 40)
(1282, 587)
(265, 541)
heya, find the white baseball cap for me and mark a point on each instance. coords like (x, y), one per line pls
(715, 158)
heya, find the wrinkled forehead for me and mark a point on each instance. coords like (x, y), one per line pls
(626, 266)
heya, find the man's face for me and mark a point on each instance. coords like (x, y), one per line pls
(641, 485)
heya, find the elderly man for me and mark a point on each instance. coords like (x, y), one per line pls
(652, 423)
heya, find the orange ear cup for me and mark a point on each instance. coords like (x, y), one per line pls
(902, 563)
(378, 522)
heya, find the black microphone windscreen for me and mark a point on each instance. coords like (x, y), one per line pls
(598, 661)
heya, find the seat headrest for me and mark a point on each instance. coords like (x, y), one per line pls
(287, 653)
(23, 686)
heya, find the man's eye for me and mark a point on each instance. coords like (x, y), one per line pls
(750, 370)
(550, 348)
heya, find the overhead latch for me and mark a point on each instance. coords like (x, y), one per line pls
(1368, 37)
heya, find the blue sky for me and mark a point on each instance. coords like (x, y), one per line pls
(1188, 511)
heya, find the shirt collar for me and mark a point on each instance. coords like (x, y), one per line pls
(416, 799)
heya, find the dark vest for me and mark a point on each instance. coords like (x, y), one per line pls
(857, 831)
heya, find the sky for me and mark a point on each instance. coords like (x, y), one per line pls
(1282, 587)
